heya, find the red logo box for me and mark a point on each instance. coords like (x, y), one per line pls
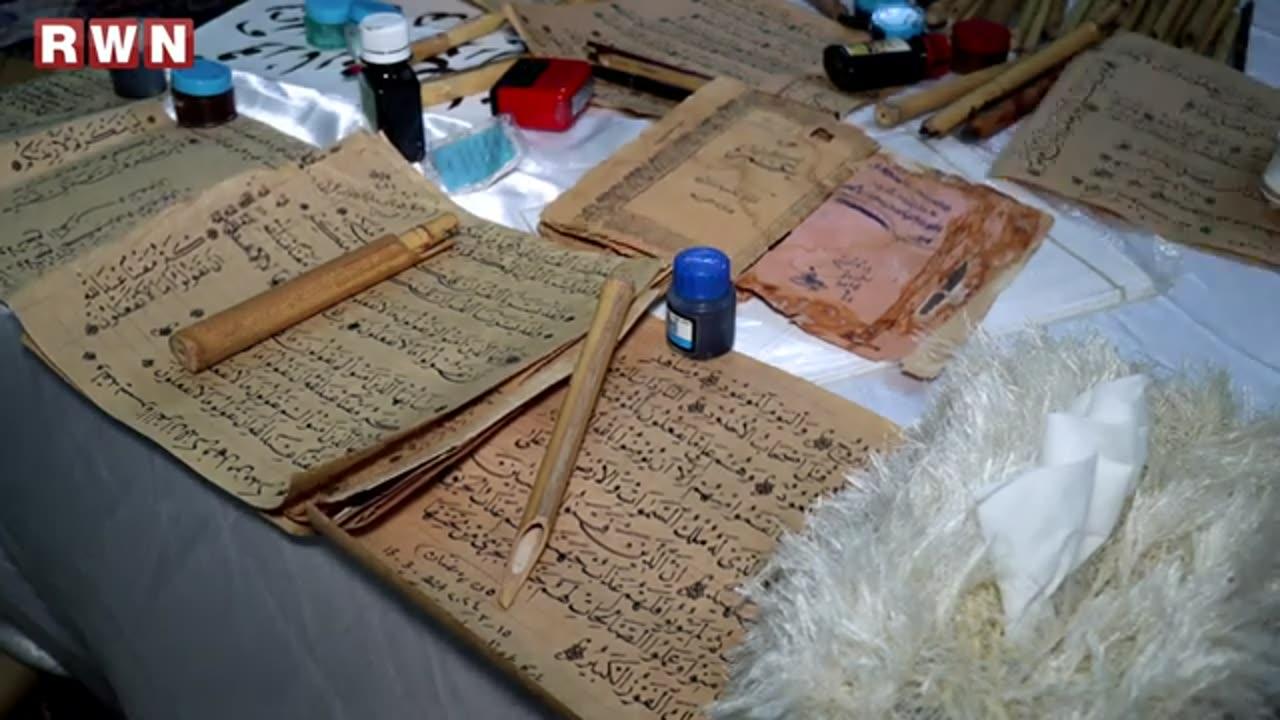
(59, 43)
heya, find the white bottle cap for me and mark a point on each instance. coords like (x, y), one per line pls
(384, 38)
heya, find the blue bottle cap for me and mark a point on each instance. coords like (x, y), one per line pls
(362, 8)
(203, 79)
(868, 6)
(898, 20)
(328, 12)
(702, 273)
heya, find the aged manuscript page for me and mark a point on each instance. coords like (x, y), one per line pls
(53, 98)
(770, 45)
(289, 413)
(893, 255)
(689, 474)
(87, 182)
(730, 167)
(1172, 141)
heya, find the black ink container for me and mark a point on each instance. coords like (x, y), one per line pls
(887, 63)
(203, 95)
(325, 21)
(137, 83)
(393, 86)
(701, 304)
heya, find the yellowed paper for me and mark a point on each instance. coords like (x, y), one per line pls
(893, 255)
(689, 474)
(730, 167)
(54, 97)
(1169, 140)
(289, 413)
(771, 45)
(120, 168)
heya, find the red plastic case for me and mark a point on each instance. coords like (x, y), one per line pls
(542, 94)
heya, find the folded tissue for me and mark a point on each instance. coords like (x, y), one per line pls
(1045, 522)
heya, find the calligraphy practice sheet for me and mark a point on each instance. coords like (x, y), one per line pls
(770, 45)
(689, 474)
(54, 97)
(268, 38)
(730, 167)
(86, 182)
(893, 255)
(1172, 141)
(292, 411)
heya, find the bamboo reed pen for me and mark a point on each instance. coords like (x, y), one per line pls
(463, 83)
(1216, 23)
(649, 71)
(458, 35)
(557, 464)
(1001, 10)
(1020, 73)
(1227, 39)
(895, 111)
(1079, 13)
(245, 324)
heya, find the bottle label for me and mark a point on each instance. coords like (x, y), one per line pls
(876, 47)
(679, 330)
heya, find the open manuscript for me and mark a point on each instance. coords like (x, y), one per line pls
(288, 415)
(689, 474)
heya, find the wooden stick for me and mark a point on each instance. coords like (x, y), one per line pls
(1053, 28)
(650, 71)
(1008, 111)
(463, 83)
(1222, 51)
(457, 35)
(1078, 13)
(1129, 20)
(243, 325)
(1017, 75)
(1196, 23)
(1162, 30)
(1150, 14)
(557, 464)
(1026, 16)
(1001, 10)
(896, 111)
(970, 9)
(1037, 25)
(1221, 15)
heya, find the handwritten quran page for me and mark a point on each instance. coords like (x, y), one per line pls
(291, 412)
(1172, 141)
(369, 490)
(770, 45)
(730, 167)
(120, 168)
(54, 97)
(893, 255)
(689, 474)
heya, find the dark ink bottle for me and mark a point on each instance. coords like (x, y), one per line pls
(701, 304)
(397, 97)
(203, 95)
(887, 63)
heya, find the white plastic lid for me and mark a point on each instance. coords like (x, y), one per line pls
(384, 38)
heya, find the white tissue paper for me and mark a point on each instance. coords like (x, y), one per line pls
(1045, 522)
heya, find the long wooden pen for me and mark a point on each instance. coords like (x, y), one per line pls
(557, 464)
(242, 326)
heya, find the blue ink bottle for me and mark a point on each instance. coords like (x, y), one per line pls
(325, 22)
(203, 95)
(701, 304)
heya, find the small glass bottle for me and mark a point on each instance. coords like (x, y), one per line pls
(701, 304)
(887, 63)
(361, 9)
(325, 21)
(397, 96)
(203, 95)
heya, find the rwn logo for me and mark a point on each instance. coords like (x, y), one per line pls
(63, 43)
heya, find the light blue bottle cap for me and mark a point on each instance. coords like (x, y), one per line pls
(203, 79)
(328, 12)
(702, 273)
(898, 20)
(361, 8)
(868, 6)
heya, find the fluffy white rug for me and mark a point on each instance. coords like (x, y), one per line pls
(886, 605)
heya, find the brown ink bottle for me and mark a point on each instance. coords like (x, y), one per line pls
(203, 95)
(887, 63)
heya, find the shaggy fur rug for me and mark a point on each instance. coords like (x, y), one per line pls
(886, 606)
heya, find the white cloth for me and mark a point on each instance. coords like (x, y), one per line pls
(1045, 522)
